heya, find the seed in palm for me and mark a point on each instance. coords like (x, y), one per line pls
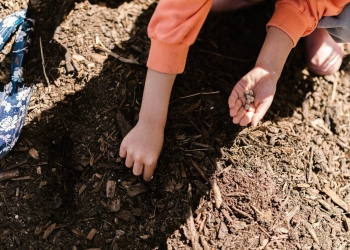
(249, 94)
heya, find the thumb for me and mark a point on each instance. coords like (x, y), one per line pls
(260, 111)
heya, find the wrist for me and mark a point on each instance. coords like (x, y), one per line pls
(152, 121)
(273, 73)
(274, 52)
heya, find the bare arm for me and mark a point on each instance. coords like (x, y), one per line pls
(262, 79)
(274, 52)
(142, 146)
(156, 97)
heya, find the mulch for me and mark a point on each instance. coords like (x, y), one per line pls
(281, 185)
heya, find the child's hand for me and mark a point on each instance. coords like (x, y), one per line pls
(263, 84)
(142, 147)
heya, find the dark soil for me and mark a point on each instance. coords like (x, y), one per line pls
(283, 185)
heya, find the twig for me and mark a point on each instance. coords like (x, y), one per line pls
(63, 11)
(17, 164)
(8, 174)
(310, 165)
(217, 193)
(311, 230)
(235, 194)
(263, 230)
(24, 178)
(342, 144)
(193, 234)
(336, 199)
(196, 94)
(343, 188)
(43, 63)
(120, 58)
(241, 212)
(290, 215)
(334, 90)
(200, 171)
(319, 123)
(257, 210)
(228, 57)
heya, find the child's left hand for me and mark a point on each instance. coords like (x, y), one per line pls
(263, 84)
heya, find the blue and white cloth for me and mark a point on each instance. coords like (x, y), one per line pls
(14, 96)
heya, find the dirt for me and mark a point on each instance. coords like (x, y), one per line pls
(282, 185)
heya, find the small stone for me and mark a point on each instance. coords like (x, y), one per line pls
(247, 101)
(252, 99)
(247, 92)
(247, 106)
(251, 92)
(78, 58)
(223, 230)
(98, 58)
(33, 153)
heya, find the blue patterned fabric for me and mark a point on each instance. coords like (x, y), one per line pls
(14, 96)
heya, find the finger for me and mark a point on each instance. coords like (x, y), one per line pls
(129, 161)
(232, 99)
(260, 112)
(246, 119)
(241, 112)
(235, 108)
(138, 168)
(148, 172)
(122, 151)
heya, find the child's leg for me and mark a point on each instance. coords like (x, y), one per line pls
(232, 5)
(324, 56)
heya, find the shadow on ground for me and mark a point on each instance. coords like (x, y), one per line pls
(78, 138)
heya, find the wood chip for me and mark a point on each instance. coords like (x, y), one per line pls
(217, 193)
(33, 153)
(311, 230)
(91, 234)
(78, 58)
(8, 174)
(114, 205)
(200, 171)
(48, 231)
(223, 231)
(82, 189)
(38, 230)
(335, 198)
(192, 233)
(110, 188)
(325, 204)
(136, 189)
(303, 185)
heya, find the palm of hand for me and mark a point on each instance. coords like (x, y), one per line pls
(263, 85)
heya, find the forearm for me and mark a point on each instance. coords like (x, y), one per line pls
(274, 52)
(156, 96)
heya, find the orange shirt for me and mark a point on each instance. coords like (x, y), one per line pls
(175, 25)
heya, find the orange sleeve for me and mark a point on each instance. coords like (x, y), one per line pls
(300, 17)
(174, 26)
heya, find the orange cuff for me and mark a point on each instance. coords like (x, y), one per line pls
(289, 19)
(167, 58)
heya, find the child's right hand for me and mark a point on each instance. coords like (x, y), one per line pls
(142, 147)
(263, 84)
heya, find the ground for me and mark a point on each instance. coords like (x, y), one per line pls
(282, 185)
